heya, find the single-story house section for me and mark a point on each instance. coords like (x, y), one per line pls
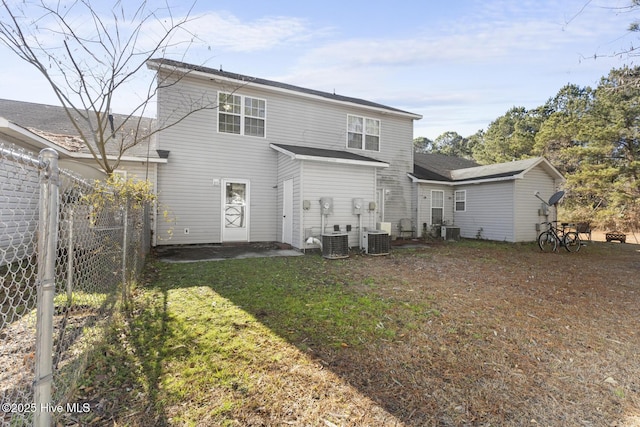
(312, 176)
(494, 202)
(32, 127)
(35, 126)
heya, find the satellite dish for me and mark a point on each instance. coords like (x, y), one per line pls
(556, 198)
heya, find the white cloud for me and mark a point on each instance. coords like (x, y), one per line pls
(221, 32)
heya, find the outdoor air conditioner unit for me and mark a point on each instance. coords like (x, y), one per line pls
(335, 245)
(376, 242)
(450, 233)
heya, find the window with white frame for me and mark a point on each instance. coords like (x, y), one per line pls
(363, 133)
(461, 200)
(437, 206)
(241, 115)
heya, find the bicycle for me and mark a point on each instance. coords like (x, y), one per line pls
(553, 236)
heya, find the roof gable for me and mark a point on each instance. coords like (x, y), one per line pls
(434, 168)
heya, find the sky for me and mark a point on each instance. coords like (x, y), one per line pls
(459, 63)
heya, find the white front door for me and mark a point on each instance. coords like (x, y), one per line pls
(287, 211)
(235, 210)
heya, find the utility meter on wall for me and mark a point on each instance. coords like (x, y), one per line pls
(357, 206)
(326, 205)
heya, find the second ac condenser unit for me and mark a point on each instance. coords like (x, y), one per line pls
(376, 242)
(335, 245)
(450, 233)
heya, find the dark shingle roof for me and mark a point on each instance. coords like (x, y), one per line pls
(438, 167)
(324, 153)
(52, 123)
(265, 82)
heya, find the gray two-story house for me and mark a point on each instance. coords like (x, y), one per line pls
(277, 162)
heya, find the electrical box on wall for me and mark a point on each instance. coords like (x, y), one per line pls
(357, 206)
(544, 210)
(326, 205)
(372, 206)
(306, 205)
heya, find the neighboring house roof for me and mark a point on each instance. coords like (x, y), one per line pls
(255, 81)
(53, 124)
(33, 143)
(321, 154)
(426, 169)
(438, 167)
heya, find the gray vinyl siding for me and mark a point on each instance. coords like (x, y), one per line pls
(424, 205)
(343, 183)
(394, 180)
(290, 169)
(18, 210)
(190, 184)
(199, 155)
(490, 211)
(527, 206)
(139, 171)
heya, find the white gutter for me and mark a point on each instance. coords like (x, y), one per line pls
(458, 183)
(123, 158)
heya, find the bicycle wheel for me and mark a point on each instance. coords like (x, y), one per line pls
(571, 241)
(547, 242)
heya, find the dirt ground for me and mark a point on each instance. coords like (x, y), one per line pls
(520, 337)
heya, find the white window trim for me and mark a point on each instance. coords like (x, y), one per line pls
(464, 200)
(242, 115)
(364, 133)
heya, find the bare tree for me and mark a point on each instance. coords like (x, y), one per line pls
(89, 55)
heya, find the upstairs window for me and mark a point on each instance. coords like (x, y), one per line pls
(363, 133)
(461, 200)
(241, 115)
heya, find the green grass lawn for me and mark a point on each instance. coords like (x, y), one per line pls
(469, 333)
(206, 337)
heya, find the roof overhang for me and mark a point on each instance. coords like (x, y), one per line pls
(466, 182)
(339, 160)
(89, 156)
(156, 65)
(495, 173)
(35, 142)
(28, 138)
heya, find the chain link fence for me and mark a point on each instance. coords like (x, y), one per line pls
(65, 262)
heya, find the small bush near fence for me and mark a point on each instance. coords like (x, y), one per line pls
(96, 242)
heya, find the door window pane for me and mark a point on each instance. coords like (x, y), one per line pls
(234, 212)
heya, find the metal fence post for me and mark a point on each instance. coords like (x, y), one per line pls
(47, 244)
(70, 258)
(125, 242)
